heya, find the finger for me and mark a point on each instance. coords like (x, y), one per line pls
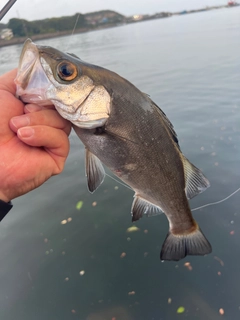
(55, 141)
(29, 108)
(50, 118)
(7, 81)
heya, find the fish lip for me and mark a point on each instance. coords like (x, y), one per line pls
(26, 64)
(31, 80)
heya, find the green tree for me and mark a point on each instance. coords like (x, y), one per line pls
(18, 27)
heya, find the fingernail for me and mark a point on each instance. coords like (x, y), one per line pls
(21, 121)
(33, 107)
(26, 132)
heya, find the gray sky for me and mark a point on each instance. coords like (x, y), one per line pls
(40, 9)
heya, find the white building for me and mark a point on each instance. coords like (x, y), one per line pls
(6, 34)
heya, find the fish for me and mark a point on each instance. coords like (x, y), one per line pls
(122, 128)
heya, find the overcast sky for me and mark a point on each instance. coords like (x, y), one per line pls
(40, 9)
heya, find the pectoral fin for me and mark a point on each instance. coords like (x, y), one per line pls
(141, 206)
(94, 171)
(196, 182)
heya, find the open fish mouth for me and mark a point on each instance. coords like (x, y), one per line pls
(31, 80)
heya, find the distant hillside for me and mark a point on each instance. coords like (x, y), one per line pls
(25, 28)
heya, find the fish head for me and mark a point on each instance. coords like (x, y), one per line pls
(48, 76)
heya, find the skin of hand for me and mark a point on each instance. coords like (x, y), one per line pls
(34, 142)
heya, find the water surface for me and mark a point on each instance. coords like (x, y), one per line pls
(190, 67)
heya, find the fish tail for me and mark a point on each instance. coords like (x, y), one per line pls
(178, 246)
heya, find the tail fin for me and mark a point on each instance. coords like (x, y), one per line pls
(176, 247)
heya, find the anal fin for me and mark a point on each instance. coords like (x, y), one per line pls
(141, 206)
(176, 247)
(94, 171)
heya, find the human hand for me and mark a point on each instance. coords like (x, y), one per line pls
(33, 142)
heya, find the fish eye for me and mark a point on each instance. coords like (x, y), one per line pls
(67, 71)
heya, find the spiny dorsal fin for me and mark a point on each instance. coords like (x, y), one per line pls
(195, 180)
(141, 206)
(94, 171)
(73, 55)
(168, 124)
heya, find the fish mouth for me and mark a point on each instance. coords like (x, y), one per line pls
(31, 80)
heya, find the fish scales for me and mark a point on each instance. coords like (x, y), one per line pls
(149, 147)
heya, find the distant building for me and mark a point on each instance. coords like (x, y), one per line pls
(6, 34)
(103, 17)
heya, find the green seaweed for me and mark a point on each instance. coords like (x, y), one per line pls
(79, 205)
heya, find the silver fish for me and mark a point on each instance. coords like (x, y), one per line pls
(124, 129)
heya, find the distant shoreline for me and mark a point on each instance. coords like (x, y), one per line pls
(21, 40)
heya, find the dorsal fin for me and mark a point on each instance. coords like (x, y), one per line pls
(195, 181)
(168, 124)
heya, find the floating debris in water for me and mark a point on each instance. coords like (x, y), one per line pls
(145, 254)
(79, 205)
(66, 279)
(219, 260)
(73, 311)
(63, 253)
(65, 221)
(232, 232)
(94, 203)
(128, 239)
(116, 187)
(219, 273)
(47, 252)
(145, 231)
(131, 293)
(188, 266)
(82, 272)
(123, 255)
(46, 240)
(132, 229)
(221, 311)
(180, 310)
(169, 300)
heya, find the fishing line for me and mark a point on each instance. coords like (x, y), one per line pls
(204, 206)
(123, 184)
(217, 202)
(74, 28)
